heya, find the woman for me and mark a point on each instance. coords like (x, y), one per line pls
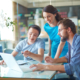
(52, 17)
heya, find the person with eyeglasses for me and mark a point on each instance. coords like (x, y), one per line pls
(67, 32)
(57, 48)
(31, 48)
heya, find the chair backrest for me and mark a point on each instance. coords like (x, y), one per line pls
(17, 57)
(1, 51)
(9, 51)
(0, 48)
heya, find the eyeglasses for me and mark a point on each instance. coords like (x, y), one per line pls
(61, 29)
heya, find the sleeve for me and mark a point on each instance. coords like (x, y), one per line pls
(76, 70)
(67, 56)
(68, 69)
(18, 48)
(41, 44)
(75, 59)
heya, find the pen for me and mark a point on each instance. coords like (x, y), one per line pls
(20, 54)
(40, 72)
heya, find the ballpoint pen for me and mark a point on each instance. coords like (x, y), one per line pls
(39, 72)
(20, 54)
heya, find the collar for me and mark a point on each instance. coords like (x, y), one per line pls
(74, 39)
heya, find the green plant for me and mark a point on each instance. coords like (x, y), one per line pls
(14, 23)
(10, 23)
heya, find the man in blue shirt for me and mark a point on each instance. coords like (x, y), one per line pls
(67, 32)
(33, 47)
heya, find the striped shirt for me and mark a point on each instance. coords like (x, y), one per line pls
(73, 57)
(76, 70)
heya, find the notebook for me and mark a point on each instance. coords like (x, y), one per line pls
(12, 63)
(21, 62)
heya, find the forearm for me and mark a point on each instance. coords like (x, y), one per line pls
(14, 53)
(54, 68)
(59, 50)
(49, 54)
(60, 60)
(37, 57)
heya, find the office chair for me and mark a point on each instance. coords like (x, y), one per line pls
(17, 57)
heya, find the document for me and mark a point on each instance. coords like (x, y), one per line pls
(21, 62)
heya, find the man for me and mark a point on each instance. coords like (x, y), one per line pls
(67, 31)
(32, 48)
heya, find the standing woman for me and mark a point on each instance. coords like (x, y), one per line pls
(57, 48)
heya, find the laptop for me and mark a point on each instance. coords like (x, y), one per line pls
(12, 63)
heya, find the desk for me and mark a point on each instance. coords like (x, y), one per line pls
(7, 74)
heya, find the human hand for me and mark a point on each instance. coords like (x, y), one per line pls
(48, 59)
(38, 67)
(59, 72)
(26, 53)
(49, 54)
(1, 63)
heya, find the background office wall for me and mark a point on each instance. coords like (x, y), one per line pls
(6, 44)
(26, 15)
(18, 10)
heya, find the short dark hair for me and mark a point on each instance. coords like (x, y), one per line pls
(68, 23)
(52, 10)
(35, 27)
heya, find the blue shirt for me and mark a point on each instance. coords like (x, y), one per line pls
(23, 46)
(76, 70)
(55, 40)
(73, 55)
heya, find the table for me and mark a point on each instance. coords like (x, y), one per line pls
(7, 74)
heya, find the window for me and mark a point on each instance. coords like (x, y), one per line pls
(5, 12)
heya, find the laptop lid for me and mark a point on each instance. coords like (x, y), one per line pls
(10, 61)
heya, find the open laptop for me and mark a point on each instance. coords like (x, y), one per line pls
(12, 63)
